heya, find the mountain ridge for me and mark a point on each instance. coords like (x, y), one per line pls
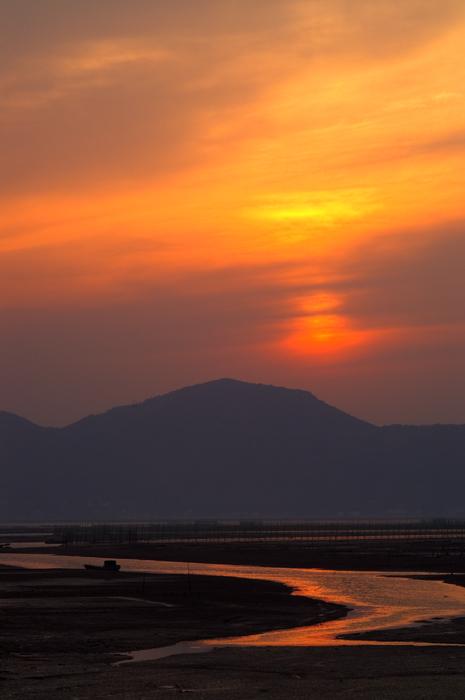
(217, 382)
(228, 448)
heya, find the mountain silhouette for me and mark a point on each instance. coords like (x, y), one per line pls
(228, 449)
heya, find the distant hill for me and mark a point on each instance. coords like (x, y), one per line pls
(229, 449)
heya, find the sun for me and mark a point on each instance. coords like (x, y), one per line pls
(328, 336)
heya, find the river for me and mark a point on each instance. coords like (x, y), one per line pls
(378, 600)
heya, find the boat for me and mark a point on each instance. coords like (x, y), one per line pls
(109, 565)
(4, 544)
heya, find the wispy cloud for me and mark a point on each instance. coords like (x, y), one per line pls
(273, 187)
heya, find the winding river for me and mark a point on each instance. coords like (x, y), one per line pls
(378, 600)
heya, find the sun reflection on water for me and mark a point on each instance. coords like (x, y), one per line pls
(376, 600)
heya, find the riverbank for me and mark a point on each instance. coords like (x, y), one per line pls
(80, 621)
(361, 555)
(275, 673)
(61, 630)
(41, 606)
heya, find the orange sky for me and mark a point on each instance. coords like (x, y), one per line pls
(271, 191)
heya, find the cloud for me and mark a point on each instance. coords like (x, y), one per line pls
(98, 92)
(62, 361)
(397, 281)
(410, 277)
(188, 185)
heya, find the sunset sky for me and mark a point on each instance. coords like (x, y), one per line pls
(271, 191)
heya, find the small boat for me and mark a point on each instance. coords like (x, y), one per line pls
(4, 544)
(109, 565)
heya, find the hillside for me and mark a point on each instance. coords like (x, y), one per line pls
(228, 449)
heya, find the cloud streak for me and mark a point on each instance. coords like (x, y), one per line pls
(198, 189)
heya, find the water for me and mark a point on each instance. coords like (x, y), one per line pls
(378, 601)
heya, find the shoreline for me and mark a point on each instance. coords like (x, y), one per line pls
(357, 557)
(432, 631)
(61, 629)
(189, 607)
(84, 620)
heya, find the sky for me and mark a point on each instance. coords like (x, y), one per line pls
(270, 191)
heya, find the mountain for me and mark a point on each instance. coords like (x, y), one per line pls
(228, 449)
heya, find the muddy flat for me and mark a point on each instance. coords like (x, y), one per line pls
(401, 555)
(61, 631)
(69, 623)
